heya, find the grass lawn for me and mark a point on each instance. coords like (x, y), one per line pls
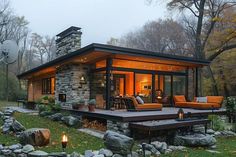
(80, 142)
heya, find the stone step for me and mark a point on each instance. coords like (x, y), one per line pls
(92, 132)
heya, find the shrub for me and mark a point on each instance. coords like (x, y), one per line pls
(44, 108)
(81, 101)
(55, 107)
(218, 123)
(92, 102)
(231, 104)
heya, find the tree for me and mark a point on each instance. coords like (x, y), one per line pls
(207, 14)
(164, 36)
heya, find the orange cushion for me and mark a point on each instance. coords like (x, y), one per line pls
(215, 99)
(149, 106)
(203, 105)
(179, 98)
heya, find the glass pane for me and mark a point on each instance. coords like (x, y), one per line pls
(122, 83)
(98, 88)
(179, 85)
(167, 85)
(143, 86)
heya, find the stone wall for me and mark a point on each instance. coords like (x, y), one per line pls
(68, 41)
(119, 127)
(68, 82)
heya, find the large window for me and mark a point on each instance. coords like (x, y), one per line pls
(143, 86)
(48, 85)
(179, 85)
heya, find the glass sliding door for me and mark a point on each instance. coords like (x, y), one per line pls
(179, 85)
(143, 86)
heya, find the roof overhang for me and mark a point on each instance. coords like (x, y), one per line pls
(95, 51)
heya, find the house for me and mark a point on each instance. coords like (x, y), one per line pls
(101, 71)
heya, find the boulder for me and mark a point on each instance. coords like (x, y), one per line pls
(35, 137)
(58, 154)
(71, 121)
(15, 146)
(8, 112)
(105, 152)
(117, 155)
(56, 117)
(74, 154)
(151, 148)
(6, 152)
(27, 148)
(177, 148)
(195, 140)
(17, 126)
(88, 153)
(160, 146)
(45, 113)
(38, 153)
(118, 143)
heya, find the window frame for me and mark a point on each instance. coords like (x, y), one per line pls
(47, 85)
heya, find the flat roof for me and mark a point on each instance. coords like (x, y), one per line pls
(115, 50)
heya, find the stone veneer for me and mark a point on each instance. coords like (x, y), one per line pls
(68, 82)
(68, 41)
(119, 127)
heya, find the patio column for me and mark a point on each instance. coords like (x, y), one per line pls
(196, 82)
(108, 82)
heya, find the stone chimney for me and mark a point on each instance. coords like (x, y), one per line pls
(68, 41)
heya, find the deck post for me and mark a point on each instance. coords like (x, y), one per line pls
(196, 81)
(187, 83)
(153, 87)
(108, 82)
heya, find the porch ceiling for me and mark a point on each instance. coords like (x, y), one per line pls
(96, 52)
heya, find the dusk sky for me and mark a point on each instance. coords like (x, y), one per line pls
(99, 19)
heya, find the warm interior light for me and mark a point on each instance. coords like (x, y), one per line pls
(82, 78)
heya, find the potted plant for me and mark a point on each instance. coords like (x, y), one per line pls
(91, 105)
(75, 105)
(81, 104)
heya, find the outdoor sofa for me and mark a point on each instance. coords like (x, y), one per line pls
(213, 102)
(133, 105)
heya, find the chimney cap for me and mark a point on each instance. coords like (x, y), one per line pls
(68, 31)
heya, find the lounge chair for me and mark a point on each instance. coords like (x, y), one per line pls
(213, 102)
(133, 105)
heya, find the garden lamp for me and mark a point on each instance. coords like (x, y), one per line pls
(64, 142)
(180, 114)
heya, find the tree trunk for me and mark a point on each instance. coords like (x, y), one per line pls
(214, 84)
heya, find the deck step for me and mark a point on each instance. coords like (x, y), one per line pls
(92, 132)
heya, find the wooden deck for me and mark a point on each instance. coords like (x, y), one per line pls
(124, 116)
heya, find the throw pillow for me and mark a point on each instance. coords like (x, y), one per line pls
(202, 99)
(140, 100)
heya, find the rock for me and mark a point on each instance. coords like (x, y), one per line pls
(194, 140)
(56, 117)
(5, 129)
(15, 146)
(177, 148)
(74, 154)
(17, 151)
(199, 129)
(151, 148)
(228, 133)
(57, 154)
(217, 133)
(8, 112)
(96, 152)
(88, 153)
(17, 126)
(99, 155)
(213, 147)
(1, 147)
(168, 151)
(45, 113)
(38, 153)
(118, 143)
(117, 155)
(22, 155)
(71, 121)
(160, 146)
(133, 154)
(148, 153)
(210, 131)
(6, 152)
(35, 137)
(27, 148)
(213, 151)
(105, 152)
